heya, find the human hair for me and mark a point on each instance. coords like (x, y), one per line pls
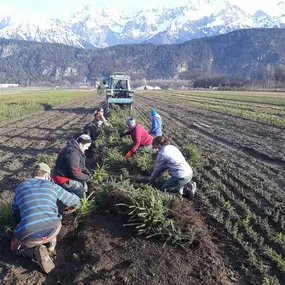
(160, 140)
(97, 117)
(98, 110)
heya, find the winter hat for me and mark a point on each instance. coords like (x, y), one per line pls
(131, 122)
(153, 112)
(84, 139)
(42, 166)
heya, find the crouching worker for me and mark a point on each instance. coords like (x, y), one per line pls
(35, 208)
(94, 129)
(170, 158)
(140, 137)
(70, 171)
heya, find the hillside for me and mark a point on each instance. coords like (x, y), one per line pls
(94, 26)
(246, 53)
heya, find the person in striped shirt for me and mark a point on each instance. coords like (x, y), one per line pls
(35, 207)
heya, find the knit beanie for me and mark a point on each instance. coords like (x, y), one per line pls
(84, 139)
(42, 166)
(153, 112)
(131, 122)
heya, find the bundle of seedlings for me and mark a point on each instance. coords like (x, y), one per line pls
(149, 211)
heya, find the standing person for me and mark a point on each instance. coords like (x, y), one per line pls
(170, 158)
(39, 222)
(156, 124)
(70, 171)
(140, 136)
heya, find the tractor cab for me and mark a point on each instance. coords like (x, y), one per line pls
(118, 90)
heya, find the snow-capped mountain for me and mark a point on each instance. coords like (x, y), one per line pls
(20, 27)
(102, 27)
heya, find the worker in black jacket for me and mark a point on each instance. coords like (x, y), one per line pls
(70, 171)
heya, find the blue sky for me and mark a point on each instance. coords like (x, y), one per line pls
(63, 8)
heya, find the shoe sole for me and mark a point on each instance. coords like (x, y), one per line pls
(194, 188)
(44, 259)
(190, 193)
(51, 249)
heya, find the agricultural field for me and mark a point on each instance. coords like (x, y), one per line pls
(14, 105)
(241, 138)
(232, 232)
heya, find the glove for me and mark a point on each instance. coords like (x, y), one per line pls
(128, 155)
(122, 135)
(69, 210)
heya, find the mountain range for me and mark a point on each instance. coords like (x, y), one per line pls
(248, 53)
(94, 27)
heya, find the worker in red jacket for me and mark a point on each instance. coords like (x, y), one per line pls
(140, 137)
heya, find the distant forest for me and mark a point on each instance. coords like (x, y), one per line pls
(241, 58)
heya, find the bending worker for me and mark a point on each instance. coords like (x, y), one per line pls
(170, 158)
(36, 211)
(140, 136)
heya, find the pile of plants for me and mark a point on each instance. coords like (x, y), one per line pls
(115, 147)
(117, 186)
(149, 211)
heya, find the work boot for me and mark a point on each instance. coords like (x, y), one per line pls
(181, 190)
(190, 193)
(51, 246)
(44, 259)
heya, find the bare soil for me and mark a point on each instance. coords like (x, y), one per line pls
(245, 156)
(100, 250)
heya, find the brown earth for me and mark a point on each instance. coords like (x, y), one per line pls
(255, 150)
(245, 156)
(100, 250)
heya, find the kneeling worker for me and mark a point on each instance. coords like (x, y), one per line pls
(170, 158)
(70, 171)
(39, 222)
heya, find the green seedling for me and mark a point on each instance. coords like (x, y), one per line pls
(87, 205)
(7, 222)
(99, 174)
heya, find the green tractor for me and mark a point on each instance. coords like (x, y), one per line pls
(118, 90)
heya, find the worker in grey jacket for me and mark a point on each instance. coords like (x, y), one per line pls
(170, 158)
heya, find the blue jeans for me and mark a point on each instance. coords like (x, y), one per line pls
(173, 184)
(76, 187)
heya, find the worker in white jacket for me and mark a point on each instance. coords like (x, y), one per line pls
(170, 158)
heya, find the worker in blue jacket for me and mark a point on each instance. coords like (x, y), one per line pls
(156, 124)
